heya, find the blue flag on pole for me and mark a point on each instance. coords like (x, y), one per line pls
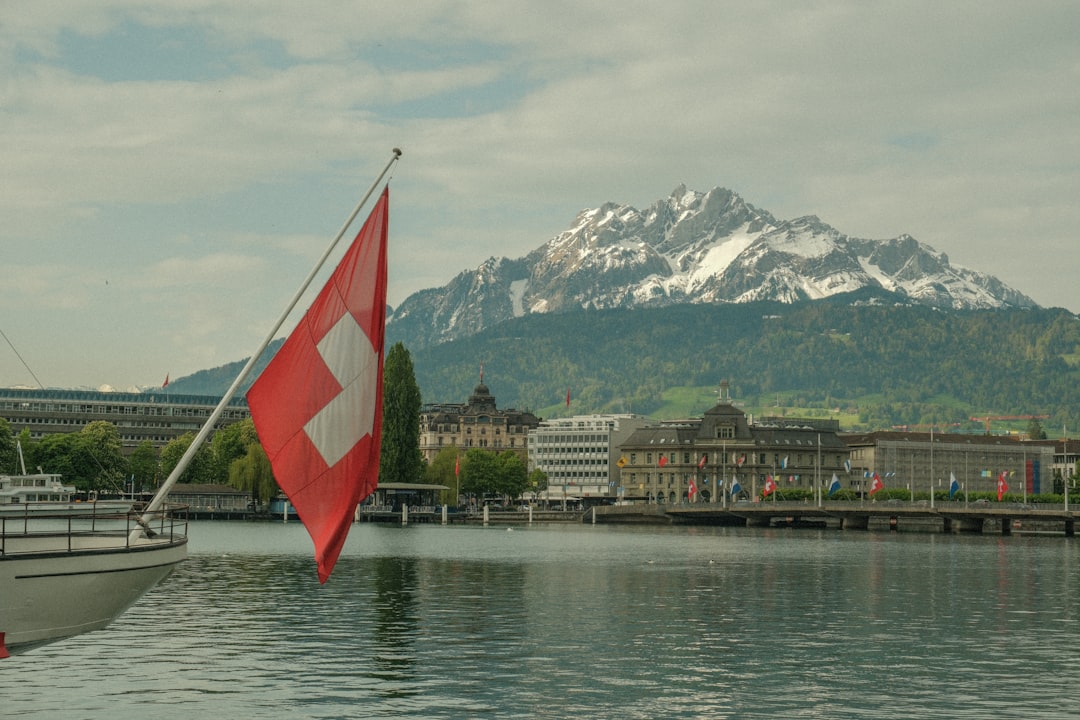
(834, 485)
(736, 488)
(953, 485)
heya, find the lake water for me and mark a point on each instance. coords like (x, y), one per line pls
(581, 621)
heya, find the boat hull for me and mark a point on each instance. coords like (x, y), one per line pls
(65, 585)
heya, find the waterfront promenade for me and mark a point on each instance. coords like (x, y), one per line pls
(947, 517)
(976, 517)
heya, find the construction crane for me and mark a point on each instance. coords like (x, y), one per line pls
(987, 418)
(915, 427)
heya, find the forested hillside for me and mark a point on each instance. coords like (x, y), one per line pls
(887, 364)
(881, 364)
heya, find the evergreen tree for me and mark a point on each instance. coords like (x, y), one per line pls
(399, 457)
(9, 459)
(1035, 430)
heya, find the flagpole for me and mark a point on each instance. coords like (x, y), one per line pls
(159, 498)
(817, 471)
(931, 469)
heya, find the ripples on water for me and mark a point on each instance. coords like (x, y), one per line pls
(596, 622)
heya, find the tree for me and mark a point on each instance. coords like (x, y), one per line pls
(480, 473)
(441, 472)
(253, 473)
(143, 466)
(1035, 430)
(98, 461)
(399, 457)
(538, 481)
(201, 468)
(514, 475)
(231, 443)
(9, 460)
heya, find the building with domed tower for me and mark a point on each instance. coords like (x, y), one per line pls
(478, 423)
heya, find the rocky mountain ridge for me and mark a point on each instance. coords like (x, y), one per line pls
(691, 247)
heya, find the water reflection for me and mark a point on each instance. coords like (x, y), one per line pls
(581, 622)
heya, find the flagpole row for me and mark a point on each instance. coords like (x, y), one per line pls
(159, 497)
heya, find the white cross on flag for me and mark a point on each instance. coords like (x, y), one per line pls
(317, 406)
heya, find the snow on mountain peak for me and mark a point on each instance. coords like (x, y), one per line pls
(691, 247)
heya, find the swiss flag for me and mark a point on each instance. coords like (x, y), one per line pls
(318, 405)
(701, 463)
(876, 484)
(691, 492)
(662, 461)
(770, 486)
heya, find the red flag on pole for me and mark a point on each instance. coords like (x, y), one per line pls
(876, 484)
(1002, 486)
(770, 486)
(457, 466)
(701, 463)
(567, 397)
(166, 383)
(662, 461)
(318, 405)
(691, 493)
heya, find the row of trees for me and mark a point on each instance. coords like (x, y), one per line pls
(93, 462)
(482, 474)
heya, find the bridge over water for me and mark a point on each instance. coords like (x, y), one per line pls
(974, 517)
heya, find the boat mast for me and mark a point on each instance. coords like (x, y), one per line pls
(159, 497)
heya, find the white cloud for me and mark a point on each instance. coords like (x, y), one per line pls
(951, 122)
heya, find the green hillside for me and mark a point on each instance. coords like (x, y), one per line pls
(871, 366)
(877, 364)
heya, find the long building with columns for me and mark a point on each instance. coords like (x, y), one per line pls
(660, 464)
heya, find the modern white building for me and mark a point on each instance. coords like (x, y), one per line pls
(580, 455)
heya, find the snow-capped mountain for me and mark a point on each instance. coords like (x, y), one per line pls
(691, 247)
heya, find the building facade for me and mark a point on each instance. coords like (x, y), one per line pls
(915, 460)
(155, 417)
(477, 423)
(726, 456)
(580, 455)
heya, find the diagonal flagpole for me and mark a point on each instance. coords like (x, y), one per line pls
(208, 426)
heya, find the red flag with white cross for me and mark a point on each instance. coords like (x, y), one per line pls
(317, 406)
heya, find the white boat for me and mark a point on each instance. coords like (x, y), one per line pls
(46, 494)
(66, 574)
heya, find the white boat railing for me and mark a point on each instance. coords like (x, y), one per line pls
(69, 531)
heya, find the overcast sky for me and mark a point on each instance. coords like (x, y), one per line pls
(171, 170)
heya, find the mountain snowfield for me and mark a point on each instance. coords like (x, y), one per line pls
(690, 247)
